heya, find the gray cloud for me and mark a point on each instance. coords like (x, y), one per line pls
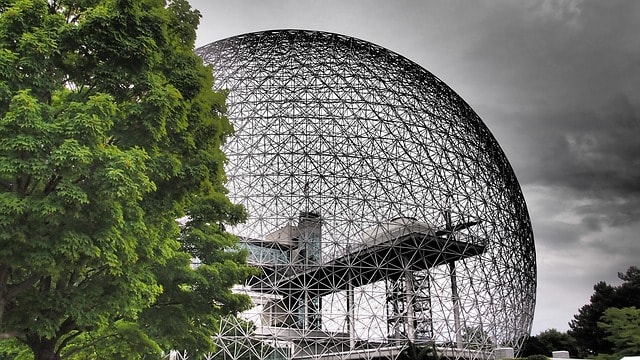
(592, 156)
(598, 154)
(563, 101)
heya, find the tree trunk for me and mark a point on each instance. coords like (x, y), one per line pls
(4, 275)
(44, 349)
(2, 305)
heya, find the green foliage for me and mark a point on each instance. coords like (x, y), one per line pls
(532, 346)
(605, 357)
(109, 131)
(419, 352)
(118, 340)
(13, 349)
(592, 339)
(623, 327)
(537, 357)
(475, 337)
(548, 341)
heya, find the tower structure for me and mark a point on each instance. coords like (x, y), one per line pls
(382, 212)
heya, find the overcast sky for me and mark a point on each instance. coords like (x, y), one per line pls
(558, 84)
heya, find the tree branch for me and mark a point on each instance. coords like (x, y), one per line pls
(33, 186)
(6, 186)
(62, 286)
(66, 341)
(95, 273)
(52, 184)
(4, 276)
(92, 343)
(170, 303)
(68, 325)
(14, 290)
(80, 179)
(23, 184)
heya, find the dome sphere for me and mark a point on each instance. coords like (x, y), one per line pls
(382, 211)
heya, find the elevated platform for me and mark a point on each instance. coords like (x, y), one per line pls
(387, 252)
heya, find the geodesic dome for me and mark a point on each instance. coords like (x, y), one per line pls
(382, 210)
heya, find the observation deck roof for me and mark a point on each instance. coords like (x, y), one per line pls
(387, 252)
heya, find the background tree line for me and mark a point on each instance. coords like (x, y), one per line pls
(607, 327)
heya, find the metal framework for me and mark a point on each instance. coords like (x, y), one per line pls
(382, 210)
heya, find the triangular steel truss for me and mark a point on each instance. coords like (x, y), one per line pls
(382, 210)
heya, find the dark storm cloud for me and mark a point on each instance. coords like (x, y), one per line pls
(597, 154)
(589, 155)
(571, 120)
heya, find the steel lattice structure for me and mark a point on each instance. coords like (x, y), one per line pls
(382, 210)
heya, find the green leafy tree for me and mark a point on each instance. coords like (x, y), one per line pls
(532, 346)
(548, 341)
(109, 131)
(415, 351)
(12, 349)
(537, 357)
(623, 327)
(590, 338)
(118, 340)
